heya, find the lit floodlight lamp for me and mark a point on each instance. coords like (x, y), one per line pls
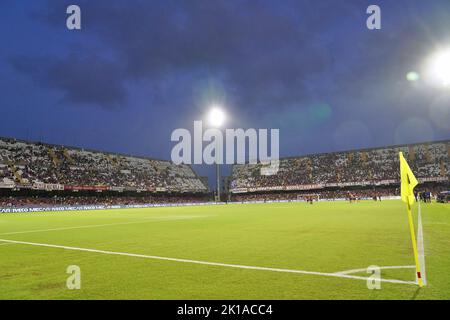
(216, 117)
(440, 67)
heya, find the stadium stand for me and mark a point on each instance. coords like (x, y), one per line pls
(365, 173)
(33, 174)
(38, 166)
(51, 199)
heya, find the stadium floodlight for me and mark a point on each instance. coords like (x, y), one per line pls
(216, 117)
(440, 67)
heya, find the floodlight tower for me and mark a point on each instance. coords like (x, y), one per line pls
(440, 67)
(216, 119)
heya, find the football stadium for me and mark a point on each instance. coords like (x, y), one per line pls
(206, 151)
(141, 228)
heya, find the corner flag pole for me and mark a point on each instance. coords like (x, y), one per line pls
(408, 183)
(413, 239)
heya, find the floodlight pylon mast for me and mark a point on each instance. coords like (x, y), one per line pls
(216, 119)
(218, 180)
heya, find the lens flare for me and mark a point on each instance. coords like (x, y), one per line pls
(440, 67)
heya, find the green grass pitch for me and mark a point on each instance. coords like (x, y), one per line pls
(326, 237)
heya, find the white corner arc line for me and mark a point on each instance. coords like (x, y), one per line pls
(217, 264)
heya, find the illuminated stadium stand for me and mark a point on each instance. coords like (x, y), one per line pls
(33, 174)
(32, 167)
(368, 172)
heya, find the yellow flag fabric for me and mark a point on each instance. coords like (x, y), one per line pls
(408, 181)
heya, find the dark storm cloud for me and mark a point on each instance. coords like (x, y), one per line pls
(82, 81)
(260, 52)
(310, 68)
(254, 55)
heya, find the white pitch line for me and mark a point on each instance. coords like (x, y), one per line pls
(216, 264)
(382, 268)
(420, 248)
(104, 225)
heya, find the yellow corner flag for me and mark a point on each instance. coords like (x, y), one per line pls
(408, 181)
(407, 184)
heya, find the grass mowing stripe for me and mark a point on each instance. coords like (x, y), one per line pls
(105, 225)
(336, 275)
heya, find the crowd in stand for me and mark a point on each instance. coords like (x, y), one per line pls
(59, 200)
(325, 176)
(316, 195)
(26, 163)
(377, 194)
(369, 193)
(430, 160)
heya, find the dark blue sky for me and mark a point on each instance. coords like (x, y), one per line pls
(139, 69)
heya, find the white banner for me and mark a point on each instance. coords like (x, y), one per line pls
(47, 186)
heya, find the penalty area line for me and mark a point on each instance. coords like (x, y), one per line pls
(207, 263)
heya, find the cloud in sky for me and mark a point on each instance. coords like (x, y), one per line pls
(82, 80)
(270, 62)
(263, 53)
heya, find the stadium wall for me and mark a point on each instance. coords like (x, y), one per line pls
(100, 207)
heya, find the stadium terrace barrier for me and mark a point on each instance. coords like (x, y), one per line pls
(328, 185)
(7, 185)
(391, 198)
(278, 201)
(320, 200)
(100, 207)
(60, 187)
